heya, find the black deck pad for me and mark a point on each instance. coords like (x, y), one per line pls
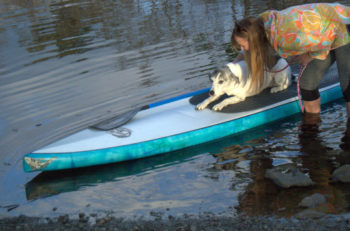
(263, 99)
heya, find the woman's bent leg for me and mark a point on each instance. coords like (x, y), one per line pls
(310, 80)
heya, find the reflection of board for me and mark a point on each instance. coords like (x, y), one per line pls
(172, 125)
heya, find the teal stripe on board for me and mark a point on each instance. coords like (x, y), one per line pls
(176, 142)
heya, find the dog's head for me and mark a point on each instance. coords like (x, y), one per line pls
(222, 81)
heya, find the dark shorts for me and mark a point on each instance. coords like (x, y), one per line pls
(316, 69)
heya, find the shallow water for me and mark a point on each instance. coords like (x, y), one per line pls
(222, 177)
(65, 65)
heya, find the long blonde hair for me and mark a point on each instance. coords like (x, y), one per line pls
(260, 55)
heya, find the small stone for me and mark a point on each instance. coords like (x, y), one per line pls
(309, 213)
(153, 213)
(100, 221)
(342, 174)
(287, 176)
(63, 219)
(313, 201)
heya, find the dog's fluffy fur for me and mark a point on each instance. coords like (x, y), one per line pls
(234, 80)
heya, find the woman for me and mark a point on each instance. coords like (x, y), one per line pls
(317, 34)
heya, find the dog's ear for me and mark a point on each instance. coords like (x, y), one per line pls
(209, 76)
(230, 76)
(213, 75)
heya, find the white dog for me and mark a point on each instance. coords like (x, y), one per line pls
(234, 80)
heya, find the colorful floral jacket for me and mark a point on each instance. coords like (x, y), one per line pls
(315, 28)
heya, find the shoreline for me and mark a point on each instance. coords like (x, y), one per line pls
(185, 222)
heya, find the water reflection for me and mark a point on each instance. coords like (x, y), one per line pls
(224, 174)
(345, 145)
(53, 183)
(315, 158)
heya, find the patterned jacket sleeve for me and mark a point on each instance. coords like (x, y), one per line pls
(314, 28)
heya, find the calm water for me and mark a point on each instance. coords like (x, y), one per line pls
(65, 65)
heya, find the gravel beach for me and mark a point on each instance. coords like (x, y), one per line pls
(190, 223)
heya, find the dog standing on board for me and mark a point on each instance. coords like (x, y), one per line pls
(234, 80)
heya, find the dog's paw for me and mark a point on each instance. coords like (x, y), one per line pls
(218, 107)
(201, 106)
(276, 89)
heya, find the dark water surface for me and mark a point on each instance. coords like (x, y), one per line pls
(65, 65)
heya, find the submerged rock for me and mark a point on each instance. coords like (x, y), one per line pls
(287, 176)
(233, 152)
(342, 174)
(309, 213)
(313, 201)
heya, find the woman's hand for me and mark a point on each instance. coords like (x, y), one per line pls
(304, 59)
(239, 57)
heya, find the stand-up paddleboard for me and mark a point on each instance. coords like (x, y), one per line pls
(168, 126)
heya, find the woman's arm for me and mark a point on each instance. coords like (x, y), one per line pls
(304, 59)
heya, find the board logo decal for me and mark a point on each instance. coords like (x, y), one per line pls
(38, 164)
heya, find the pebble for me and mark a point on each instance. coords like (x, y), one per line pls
(342, 174)
(287, 176)
(309, 213)
(313, 201)
(63, 219)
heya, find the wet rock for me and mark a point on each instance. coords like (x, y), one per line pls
(313, 201)
(156, 215)
(83, 218)
(287, 176)
(342, 174)
(64, 219)
(309, 213)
